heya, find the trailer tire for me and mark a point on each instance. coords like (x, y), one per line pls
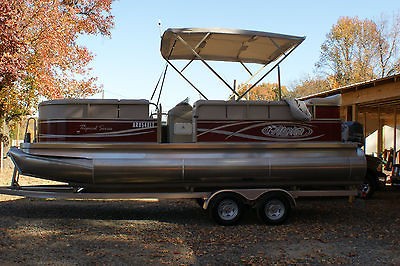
(273, 209)
(368, 187)
(226, 209)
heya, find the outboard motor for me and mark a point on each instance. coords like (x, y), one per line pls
(353, 132)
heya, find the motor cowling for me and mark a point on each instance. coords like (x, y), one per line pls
(353, 132)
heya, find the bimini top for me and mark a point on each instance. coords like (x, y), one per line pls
(230, 45)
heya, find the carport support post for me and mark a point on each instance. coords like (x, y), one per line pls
(351, 199)
(354, 114)
(365, 129)
(380, 144)
(395, 136)
(2, 156)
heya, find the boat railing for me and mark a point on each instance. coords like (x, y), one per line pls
(159, 123)
(27, 134)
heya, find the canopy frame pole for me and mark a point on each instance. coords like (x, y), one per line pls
(247, 69)
(279, 84)
(252, 76)
(163, 74)
(190, 62)
(205, 63)
(162, 85)
(267, 73)
(158, 82)
(195, 48)
(185, 78)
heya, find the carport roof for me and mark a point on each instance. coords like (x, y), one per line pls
(355, 87)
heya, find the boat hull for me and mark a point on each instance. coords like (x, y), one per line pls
(192, 166)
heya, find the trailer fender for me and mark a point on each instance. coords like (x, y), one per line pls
(250, 196)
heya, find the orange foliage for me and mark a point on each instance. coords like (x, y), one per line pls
(39, 55)
(263, 91)
(355, 50)
(358, 50)
(312, 85)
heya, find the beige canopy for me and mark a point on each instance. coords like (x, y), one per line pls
(226, 45)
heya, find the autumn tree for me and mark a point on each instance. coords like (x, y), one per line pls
(12, 46)
(310, 85)
(355, 50)
(388, 46)
(349, 50)
(263, 91)
(39, 53)
(358, 50)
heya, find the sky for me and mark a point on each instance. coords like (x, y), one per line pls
(129, 64)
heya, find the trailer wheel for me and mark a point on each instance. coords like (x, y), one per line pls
(273, 209)
(367, 188)
(226, 209)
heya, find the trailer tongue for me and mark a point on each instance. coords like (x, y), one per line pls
(226, 154)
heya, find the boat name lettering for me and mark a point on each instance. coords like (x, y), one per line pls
(96, 128)
(287, 131)
(143, 124)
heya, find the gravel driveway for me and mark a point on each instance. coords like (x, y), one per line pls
(328, 231)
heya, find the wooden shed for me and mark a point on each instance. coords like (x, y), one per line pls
(376, 105)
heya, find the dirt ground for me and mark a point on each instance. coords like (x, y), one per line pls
(178, 232)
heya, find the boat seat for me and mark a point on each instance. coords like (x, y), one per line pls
(325, 108)
(93, 109)
(133, 109)
(299, 110)
(97, 120)
(334, 100)
(242, 110)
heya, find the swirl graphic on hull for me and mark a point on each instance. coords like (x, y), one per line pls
(291, 131)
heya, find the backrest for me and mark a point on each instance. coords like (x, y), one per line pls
(93, 109)
(242, 110)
